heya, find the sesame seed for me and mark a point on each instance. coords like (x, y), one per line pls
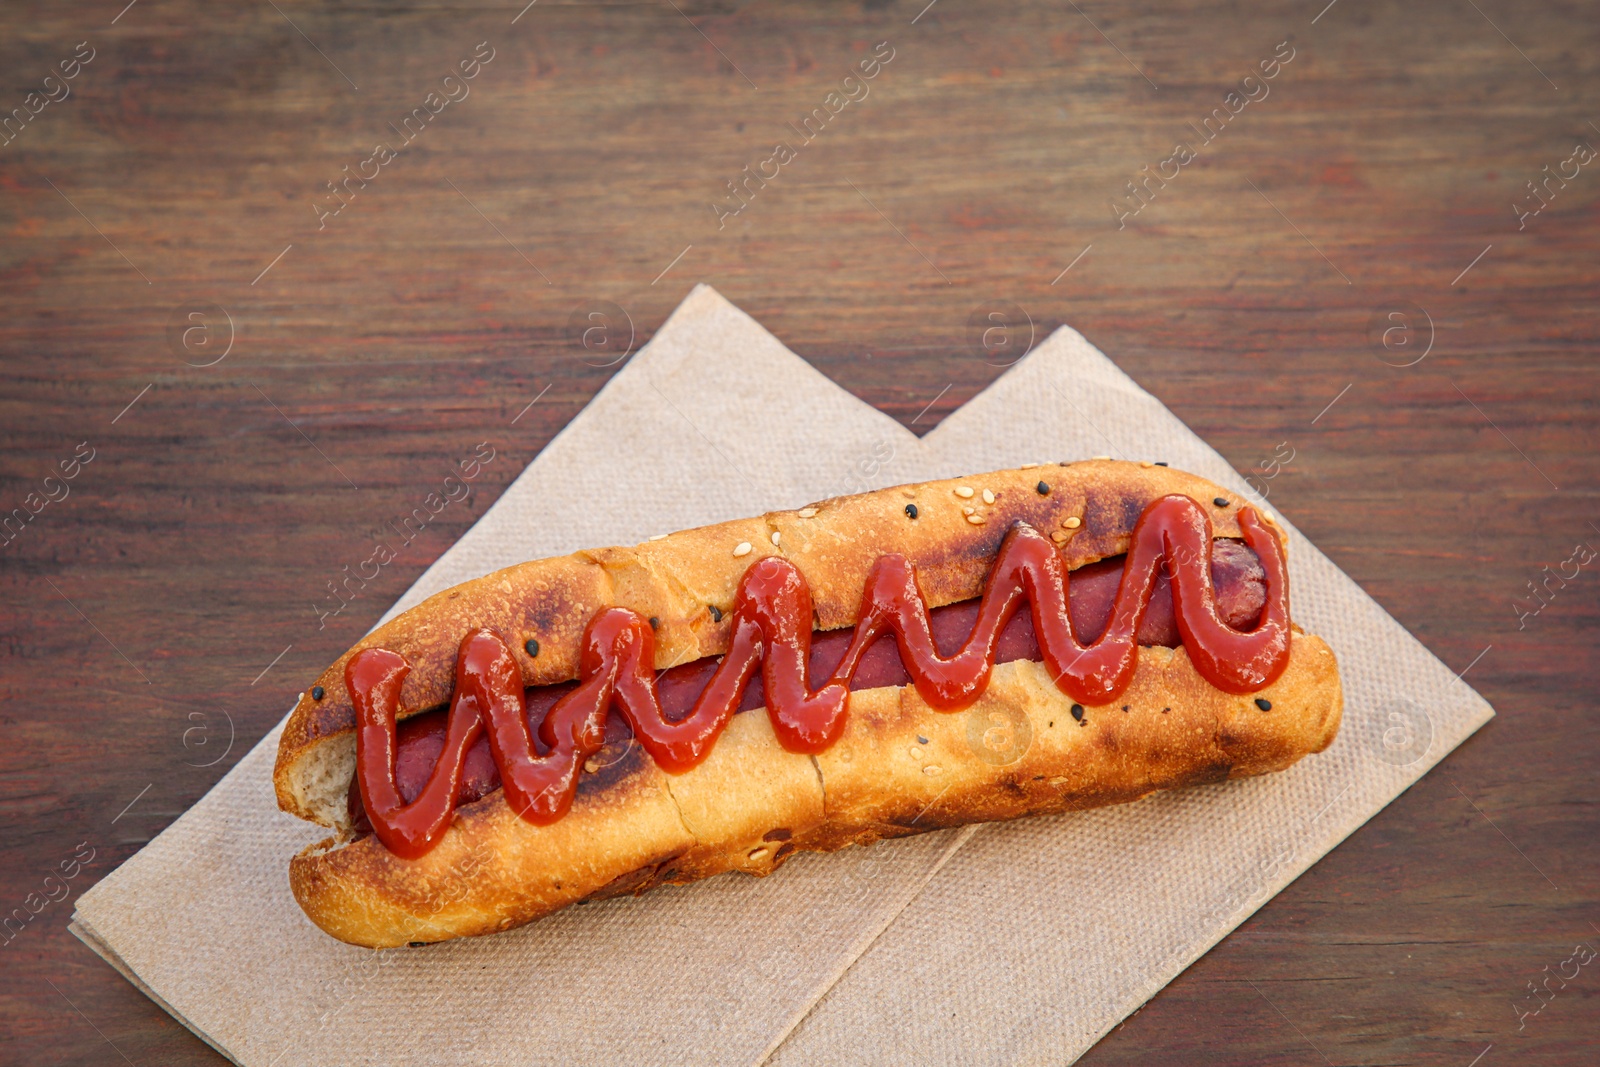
(591, 765)
(1263, 703)
(1060, 537)
(532, 647)
(908, 491)
(968, 511)
(1161, 463)
(317, 692)
(963, 491)
(775, 536)
(930, 770)
(807, 513)
(1077, 712)
(988, 497)
(911, 511)
(716, 612)
(1220, 501)
(742, 548)
(655, 623)
(659, 537)
(976, 520)
(1099, 457)
(1043, 489)
(1146, 463)
(1072, 522)
(1028, 466)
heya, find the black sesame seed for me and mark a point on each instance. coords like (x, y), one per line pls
(1220, 501)
(532, 646)
(1263, 703)
(1124, 707)
(1077, 712)
(1042, 489)
(1161, 463)
(716, 612)
(655, 623)
(911, 510)
(317, 692)
(1165, 710)
(921, 739)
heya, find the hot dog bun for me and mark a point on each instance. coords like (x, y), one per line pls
(900, 768)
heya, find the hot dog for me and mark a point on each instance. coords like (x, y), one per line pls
(1015, 643)
(1236, 574)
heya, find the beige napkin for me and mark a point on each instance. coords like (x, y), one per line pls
(1012, 943)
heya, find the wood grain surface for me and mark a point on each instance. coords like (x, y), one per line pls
(1346, 290)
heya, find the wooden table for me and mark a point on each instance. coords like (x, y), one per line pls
(1276, 289)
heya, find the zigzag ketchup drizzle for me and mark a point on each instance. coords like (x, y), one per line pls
(771, 628)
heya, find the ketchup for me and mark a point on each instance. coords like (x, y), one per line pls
(771, 629)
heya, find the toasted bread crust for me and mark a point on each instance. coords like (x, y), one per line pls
(900, 768)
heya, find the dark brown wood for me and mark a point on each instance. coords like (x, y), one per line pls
(143, 611)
